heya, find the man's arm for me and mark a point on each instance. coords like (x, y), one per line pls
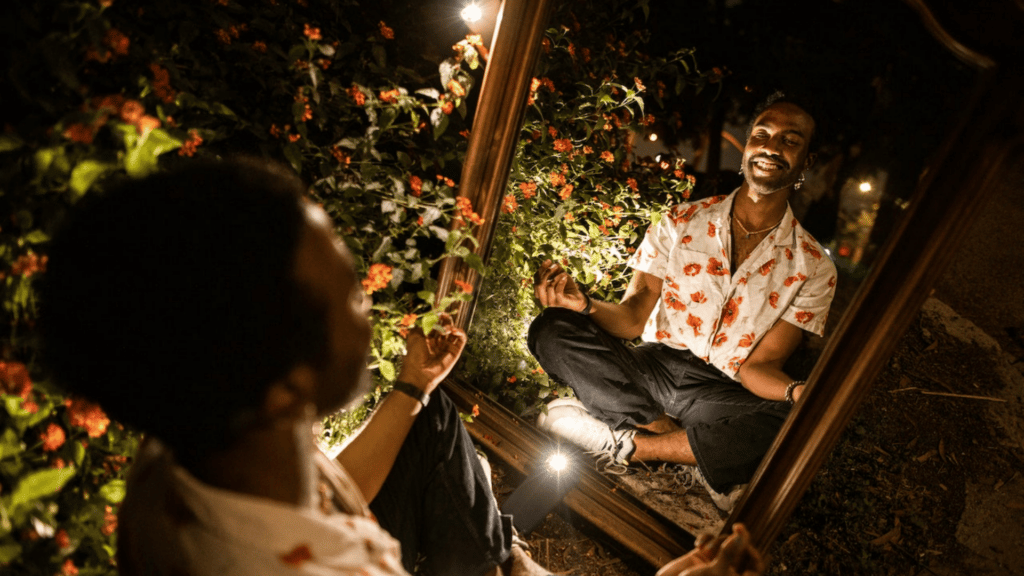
(762, 372)
(371, 453)
(625, 320)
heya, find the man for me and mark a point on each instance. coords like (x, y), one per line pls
(721, 293)
(214, 310)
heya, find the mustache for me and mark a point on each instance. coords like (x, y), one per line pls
(771, 158)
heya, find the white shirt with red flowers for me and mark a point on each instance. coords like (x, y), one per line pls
(173, 524)
(719, 316)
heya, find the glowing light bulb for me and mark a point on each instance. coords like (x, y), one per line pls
(557, 462)
(471, 13)
(653, 137)
(865, 186)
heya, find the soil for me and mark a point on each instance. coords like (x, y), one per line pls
(926, 480)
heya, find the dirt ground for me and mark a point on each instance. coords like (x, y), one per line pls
(929, 477)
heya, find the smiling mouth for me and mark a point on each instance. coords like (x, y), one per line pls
(767, 165)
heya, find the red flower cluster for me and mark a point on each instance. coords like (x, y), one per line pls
(509, 205)
(162, 83)
(87, 415)
(566, 191)
(377, 278)
(53, 437)
(188, 148)
(529, 189)
(311, 32)
(260, 46)
(340, 156)
(447, 106)
(386, 32)
(416, 184)
(465, 208)
(390, 96)
(464, 286)
(357, 95)
(14, 379)
(28, 264)
(563, 145)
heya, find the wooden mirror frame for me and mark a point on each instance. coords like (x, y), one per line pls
(987, 132)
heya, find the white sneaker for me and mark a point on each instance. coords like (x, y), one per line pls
(725, 501)
(568, 419)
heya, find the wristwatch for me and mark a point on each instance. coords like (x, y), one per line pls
(412, 391)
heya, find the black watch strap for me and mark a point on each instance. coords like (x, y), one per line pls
(413, 392)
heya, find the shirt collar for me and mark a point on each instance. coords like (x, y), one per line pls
(784, 235)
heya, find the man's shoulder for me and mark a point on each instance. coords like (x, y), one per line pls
(685, 212)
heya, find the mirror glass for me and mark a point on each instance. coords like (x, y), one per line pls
(636, 109)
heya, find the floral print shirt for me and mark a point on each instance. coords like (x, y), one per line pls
(720, 316)
(172, 524)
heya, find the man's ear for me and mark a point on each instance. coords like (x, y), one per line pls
(289, 397)
(811, 157)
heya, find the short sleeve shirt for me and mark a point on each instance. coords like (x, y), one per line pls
(720, 316)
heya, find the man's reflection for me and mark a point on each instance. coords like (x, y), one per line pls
(721, 291)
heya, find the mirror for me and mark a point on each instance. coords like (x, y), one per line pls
(844, 371)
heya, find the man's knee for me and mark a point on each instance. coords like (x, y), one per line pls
(551, 328)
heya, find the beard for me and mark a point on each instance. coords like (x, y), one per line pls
(776, 180)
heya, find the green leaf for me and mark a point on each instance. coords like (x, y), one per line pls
(428, 321)
(39, 484)
(10, 444)
(9, 142)
(387, 370)
(294, 156)
(142, 159)
(429, 93)
(36, 237)
(441, 126)
(85, 174)
(113, 491)
(380, 55)
(9, 551)
(79, 453)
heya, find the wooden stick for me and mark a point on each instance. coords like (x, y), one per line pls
(969, 396)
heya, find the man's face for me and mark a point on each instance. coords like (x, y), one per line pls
(777, 149)
(325, 266)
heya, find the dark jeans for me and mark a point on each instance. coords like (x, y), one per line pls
(728, 427)
(436, 500)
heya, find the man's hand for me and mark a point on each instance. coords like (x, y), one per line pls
(719, 557)
(553, 287)
(429, 359)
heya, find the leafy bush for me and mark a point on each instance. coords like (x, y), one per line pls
(577, 193)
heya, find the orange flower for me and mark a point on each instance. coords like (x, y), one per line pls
(456, 89)
(377, 278)
(190, 145)
(631, 182)
(323, 63)
(465, 208)
(79, 132)
(61, 539)
(720, 339)
(711, 229)
(14, 379)
(311, 32)
(447, 181)
(464, 134)
(691, 269)
(87, 415)
(569, 217)
(563, 145)
(747, 340)
(117, 42)
(566, 191)
(301, 64)
(294, 137)
(639, 85)
(607, 156)
(716, 268)
(447, 106)
(773, 299)
(686, 239)
(110, 521)
(223, 36)
(804, 317)
(416, 184)
(552, 132)
(792, 279)
(529, 189)
(357, 95)
(731, 310)
(409, 320)
(587, 150)
(162, 83)
(699, 297)
(545, 43)
(28, 264)
(386, 32)
(695, 323)
(30, 406)
(509, 205)
(260, 46)
(512, 379)
(68, 568)
(53, 438)
(556, 179)
(147, 123)
(132, 111)
(476, 410)
(464, 286)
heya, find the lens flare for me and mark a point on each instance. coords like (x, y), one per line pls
(557, 462)
(471, 13)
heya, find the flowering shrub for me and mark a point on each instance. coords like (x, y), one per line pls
(577, 194)
(111, 89)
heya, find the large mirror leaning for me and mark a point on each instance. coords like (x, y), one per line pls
(878, 179)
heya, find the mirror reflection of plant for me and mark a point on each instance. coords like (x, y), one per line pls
(577, 194)
(110, 89)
